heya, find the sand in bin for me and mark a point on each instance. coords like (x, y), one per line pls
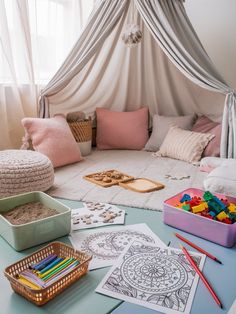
(28, 212)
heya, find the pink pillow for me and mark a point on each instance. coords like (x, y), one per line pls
(122, 130)
(53, 138)
(205, 125)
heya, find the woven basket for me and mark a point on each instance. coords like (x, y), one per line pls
(81, 130)
(42, 296)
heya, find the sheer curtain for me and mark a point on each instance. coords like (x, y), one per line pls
(35, 37)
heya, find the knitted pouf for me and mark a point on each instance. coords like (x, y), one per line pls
(24, 171)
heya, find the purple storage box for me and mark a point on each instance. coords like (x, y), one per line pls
(215, 231)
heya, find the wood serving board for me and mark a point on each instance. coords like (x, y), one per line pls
(113, 177)
(142, 185)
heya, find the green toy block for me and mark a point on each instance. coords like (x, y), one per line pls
(186, 207)
(208, 196)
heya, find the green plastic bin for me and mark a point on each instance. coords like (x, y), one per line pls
(26, 235)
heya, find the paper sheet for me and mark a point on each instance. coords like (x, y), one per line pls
(107, 244)
(94, 215)
(154, 277)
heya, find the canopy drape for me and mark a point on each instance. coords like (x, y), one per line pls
(101, 71)
(100, 25)
(170, 26)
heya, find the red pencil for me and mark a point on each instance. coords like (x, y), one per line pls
(204, 280)
(197, 248)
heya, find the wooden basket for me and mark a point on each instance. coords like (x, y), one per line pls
(42, 296)
(81, 130)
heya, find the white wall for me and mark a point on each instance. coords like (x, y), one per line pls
(215, 23)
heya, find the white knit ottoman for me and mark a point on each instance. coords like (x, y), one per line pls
(24, 171)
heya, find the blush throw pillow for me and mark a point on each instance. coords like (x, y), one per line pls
(205, 125)
(184, 145)
(122, 130)
(161, 125)
(53, 138)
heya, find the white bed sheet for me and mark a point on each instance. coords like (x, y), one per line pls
(69, 182)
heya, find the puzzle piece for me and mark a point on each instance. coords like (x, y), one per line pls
(108, 216)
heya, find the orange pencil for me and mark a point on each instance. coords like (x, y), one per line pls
(197, 248)
(198, 271)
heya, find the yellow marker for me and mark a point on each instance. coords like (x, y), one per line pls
(29, 283)
(232, 208)
(222, 215)
(199, 208)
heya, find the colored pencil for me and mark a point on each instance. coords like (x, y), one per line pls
(197, 248)
(203, 278)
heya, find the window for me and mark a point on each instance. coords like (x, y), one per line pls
(36, 39)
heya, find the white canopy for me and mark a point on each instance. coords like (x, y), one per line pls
(169, 71)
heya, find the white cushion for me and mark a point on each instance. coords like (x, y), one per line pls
(222, 179)
(161, 125)
(184, 145)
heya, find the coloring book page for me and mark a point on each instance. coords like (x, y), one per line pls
(94, 215)
(107, 244)
(159, 278)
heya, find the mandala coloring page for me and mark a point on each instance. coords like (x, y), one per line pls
(158, 278)
(106, 246)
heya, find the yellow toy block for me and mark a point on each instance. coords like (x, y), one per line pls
(222, 215)
(199, 208)
(232, 208)
(180, 205)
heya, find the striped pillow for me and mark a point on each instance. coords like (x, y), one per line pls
(184, 145)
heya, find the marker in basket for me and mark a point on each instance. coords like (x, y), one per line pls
(50, 266)
(204, 280)
(28, 276)
(55, 271)
(197, 248)
(51, 269)
(43, 263)
(61, 273)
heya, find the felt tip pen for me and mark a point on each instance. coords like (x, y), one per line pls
(58, 268)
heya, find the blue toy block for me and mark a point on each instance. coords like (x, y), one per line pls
(213, 214)
(218, 201)
(215, 207)
(185, 197)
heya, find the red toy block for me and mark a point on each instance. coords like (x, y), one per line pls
(225, 201)
(227, 221)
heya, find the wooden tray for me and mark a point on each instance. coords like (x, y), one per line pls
(142, 185)
(114, 176)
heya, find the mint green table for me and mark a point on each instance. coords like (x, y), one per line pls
(80, 297)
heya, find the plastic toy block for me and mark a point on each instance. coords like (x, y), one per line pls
(213, 214)
(208, 196)
(206, 215)
(232, 216)
(196, 198)
(227, 221)
(193, 203)
(222, 216)
(232, 208)
(215, 206)
(186, 207)
(185, 197)
(225, 201)
(178, 205)
(218, 201)
(199, 208)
